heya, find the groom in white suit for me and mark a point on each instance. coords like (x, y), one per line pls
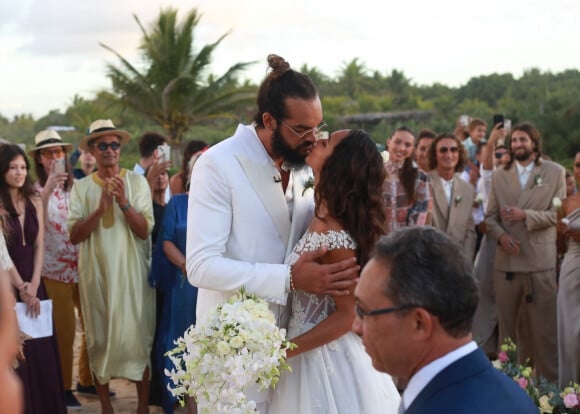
(248, 205)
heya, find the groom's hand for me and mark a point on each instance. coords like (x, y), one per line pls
(334, 279)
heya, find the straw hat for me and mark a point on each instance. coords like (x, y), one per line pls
(46, 139)
(103, 127)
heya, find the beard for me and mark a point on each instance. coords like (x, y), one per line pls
(282, 149)
(522, 156)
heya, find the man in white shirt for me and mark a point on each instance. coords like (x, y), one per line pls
(414, 303)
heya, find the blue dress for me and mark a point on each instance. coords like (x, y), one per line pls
(179, 296)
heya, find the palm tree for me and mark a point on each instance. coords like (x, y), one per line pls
(174, 89)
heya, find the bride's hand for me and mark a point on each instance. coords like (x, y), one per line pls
(324, 279)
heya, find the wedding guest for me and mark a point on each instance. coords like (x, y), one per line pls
(111, 217)
(149, 164)
(87, 165)
(414, 303)
(11, 389)
(178, 181)
(570, 184)
(424, 140)
(569, 294)
(59, 270)
(406, 188)
(250, 205)
(485, 330)
(452, 197)
(576, 168)
(40, 370)
(521, 217)
(349, 218)
(168, 275)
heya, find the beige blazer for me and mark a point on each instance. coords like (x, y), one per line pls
(456, 219)
(537, 234)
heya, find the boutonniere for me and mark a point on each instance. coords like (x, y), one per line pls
(538, 180)
(309, 183)
(458, 199)
(478, 199)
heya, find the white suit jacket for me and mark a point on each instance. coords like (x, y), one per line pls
(239, 229)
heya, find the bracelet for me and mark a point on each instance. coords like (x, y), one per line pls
(292, 287)
(126, 207)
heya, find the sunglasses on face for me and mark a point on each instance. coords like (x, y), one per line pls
(443, 150)
(577, 165)
(499, 154)
(51, 152)
(102, 146)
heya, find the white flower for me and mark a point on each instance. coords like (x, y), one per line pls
(458, 199)
(538, 180)
(232, 347)
(385, 155)
(556, 202)
(479, 198)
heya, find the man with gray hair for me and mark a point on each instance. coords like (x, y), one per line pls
(415, 302)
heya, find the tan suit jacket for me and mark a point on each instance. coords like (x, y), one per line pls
(537, 234)
(456, 219)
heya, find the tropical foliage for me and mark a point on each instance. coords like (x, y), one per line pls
(174, 89)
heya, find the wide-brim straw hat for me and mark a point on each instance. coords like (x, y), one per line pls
(46, 139)
(103, 127)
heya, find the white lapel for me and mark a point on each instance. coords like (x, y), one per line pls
(261, 176)
(303, 206)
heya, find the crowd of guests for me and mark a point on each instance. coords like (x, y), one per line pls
(108, 245)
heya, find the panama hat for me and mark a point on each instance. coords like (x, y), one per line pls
(46, 139)
(103, 127)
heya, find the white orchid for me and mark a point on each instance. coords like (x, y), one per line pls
(236, 345)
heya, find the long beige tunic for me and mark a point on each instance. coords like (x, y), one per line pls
(118, 304)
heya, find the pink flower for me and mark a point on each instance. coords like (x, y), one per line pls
(571, 400)
(522, 382)
(503, 357)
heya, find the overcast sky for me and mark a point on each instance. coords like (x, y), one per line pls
(49, 49)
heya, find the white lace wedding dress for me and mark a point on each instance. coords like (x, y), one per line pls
(337, 377)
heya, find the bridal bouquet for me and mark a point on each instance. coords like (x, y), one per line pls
(236, 345)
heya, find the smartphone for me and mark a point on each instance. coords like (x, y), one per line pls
(464, 120)
(60, 166)
(498, 119)
(507, 124)
(164, 153)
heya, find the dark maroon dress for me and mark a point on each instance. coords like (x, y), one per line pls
(40, 371)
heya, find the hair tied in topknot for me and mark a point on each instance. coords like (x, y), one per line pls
(279, 66)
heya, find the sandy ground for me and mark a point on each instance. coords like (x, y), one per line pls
(125, 402)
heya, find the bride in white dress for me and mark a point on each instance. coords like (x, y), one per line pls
(331, 372)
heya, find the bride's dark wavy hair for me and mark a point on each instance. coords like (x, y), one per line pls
(350, 186)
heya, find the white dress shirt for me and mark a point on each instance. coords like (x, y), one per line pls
(448, 188)
(524, 173)
(424, 376)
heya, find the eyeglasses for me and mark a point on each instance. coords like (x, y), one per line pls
(499, 154)
(102, 146)
(577, 165)
(301, 135)
(52, 152)
(443, 150)
(362, 313)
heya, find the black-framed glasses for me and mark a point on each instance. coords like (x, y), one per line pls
(443, 150)
(102, 146)
(301, 135)
(362, 313)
